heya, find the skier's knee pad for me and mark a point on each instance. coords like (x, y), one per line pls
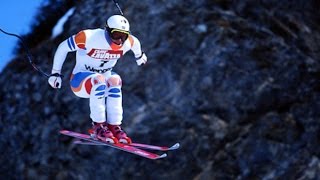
(98, 86)
(114, 92)
(99, 79)
(115, 80)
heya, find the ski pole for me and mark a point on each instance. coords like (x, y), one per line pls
(118, 7)
(27, 51)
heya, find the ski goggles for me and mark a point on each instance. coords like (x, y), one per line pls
(117, 34)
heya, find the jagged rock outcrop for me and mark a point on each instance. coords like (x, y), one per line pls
(237, 83)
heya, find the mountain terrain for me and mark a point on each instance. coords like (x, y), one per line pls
(236, 83)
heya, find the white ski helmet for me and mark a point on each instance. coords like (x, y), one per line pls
(118, 22)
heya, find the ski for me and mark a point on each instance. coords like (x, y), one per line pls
(138, 145)
(120, 146)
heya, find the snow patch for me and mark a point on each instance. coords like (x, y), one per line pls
(58, 28)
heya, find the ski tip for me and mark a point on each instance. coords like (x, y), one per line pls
(162, 156)
(175, 146)
(64, 131)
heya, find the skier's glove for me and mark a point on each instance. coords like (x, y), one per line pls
(55, 80)
(142, 59)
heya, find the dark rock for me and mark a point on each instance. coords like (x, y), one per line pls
(236, 83)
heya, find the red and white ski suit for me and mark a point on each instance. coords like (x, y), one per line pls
(92, 75)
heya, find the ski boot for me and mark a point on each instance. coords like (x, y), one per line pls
(119, 134)
(100, 131)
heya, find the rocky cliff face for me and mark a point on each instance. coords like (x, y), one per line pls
(236, 83)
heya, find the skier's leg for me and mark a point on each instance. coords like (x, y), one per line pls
(114, 100)
(114, 108)
(97, 99)
(93, 86)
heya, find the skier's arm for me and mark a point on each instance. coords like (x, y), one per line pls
(62, 51)
(71, 44)
(140, 56)
(59, 57)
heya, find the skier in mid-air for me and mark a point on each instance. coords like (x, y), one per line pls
(97, 52)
